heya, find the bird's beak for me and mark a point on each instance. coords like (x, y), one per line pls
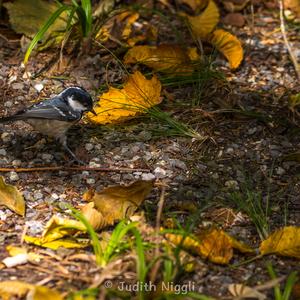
(93, 111)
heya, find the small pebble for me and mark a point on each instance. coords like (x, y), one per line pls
(90, 181)
(280, 171)
(148, 176)
(17, 86)
(54, 196)
(13, 176)
(89, 146)
(16, 163)
(8, 104)
(232, 184)
(2, 152)
(38, 195)
(39, 87)
(6, 137)
(47, 157)
(159, 172)
(34, 227)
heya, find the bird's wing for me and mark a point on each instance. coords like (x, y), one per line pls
(53, 109)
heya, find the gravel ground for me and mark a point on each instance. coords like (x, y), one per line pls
(244, 151)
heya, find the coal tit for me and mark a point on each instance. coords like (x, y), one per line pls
(53, 117)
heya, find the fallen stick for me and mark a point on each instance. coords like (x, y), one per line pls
(44, 169)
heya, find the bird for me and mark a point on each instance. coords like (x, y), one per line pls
(53, 117)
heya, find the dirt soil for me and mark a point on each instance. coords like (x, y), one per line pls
(250, 128)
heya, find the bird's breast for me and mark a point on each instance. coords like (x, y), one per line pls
(53, 128)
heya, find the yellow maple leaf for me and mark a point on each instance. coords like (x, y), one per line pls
(212, 244)
(136, 97)
(204, 23)
(163, 58)
(11, 197)
(285, 241)
(228, 45)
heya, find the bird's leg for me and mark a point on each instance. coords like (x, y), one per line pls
(63, 141)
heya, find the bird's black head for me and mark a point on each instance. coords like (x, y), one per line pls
(77, 98)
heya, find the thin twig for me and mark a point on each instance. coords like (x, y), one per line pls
(62, 168)
(286, 41)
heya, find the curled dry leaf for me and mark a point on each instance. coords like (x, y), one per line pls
(244, 292)
(11, 197)
(228, 45)
(10, 289)
(285, 241)
(138, 95)
(203, 24)
(171, 59)
(115, 203)
(212, 244)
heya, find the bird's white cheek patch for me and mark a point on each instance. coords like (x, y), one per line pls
(75, 104)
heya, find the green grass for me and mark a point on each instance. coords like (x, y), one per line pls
(252, 203)
(285, 293)
(78, 14)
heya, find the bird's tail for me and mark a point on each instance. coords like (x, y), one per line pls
(9, 119)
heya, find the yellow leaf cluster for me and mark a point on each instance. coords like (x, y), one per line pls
(137, 95)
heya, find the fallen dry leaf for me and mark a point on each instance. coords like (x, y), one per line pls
(11, 198)
(115, 203)
(171, 59)
(14, 288)
(36, 13)
(212, 244)
(284, 241)
(228, 45)
(138, 95)
(204, 23)
(245, 292)
(9, 289)
(43, 293)
(59, 232)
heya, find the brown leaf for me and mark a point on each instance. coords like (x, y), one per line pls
(116, 203)
(11, 197)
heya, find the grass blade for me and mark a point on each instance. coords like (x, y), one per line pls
(39, 35)
(93, 235)
(87, 8)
